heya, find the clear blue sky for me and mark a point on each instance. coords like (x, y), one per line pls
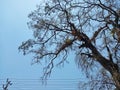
(13, 65)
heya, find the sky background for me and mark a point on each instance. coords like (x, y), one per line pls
(18, 68)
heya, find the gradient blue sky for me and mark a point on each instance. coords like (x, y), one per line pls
(13, 65)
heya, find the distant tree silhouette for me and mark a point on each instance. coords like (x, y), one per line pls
(89, 29)
(8, 83)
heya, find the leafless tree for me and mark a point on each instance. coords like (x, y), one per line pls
(8, 83)
(89, 29)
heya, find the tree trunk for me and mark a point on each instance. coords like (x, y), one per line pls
(108, 65)
(116, 78)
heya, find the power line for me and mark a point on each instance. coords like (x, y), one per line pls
(41, 79)
(36, 84)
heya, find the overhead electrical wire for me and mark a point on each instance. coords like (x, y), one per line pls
(36, 84)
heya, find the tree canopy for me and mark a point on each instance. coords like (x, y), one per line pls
(89, 29)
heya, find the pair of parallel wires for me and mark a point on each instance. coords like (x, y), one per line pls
(38, 84)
